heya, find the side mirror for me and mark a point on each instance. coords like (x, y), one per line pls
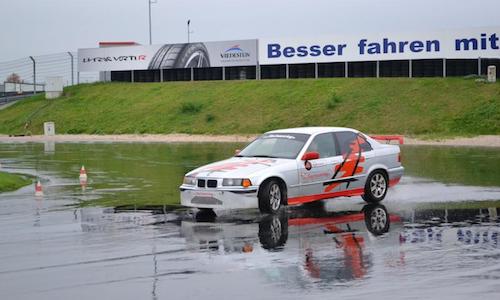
(237, 151)
(310, 156)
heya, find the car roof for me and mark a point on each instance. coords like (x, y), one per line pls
(312, 130)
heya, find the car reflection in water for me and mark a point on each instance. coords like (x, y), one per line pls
(443, 226)
(312, 244)
(311, 248)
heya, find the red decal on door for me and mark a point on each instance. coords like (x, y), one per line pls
(351, 164)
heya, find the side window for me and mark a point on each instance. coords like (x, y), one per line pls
(324, 144)
(364, 144)
(348, 141)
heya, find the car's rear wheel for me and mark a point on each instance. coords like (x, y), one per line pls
(377, 219)
(270, 197)
(375, 187)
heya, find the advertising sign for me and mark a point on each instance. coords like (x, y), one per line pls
(168, 56)
(473, 43)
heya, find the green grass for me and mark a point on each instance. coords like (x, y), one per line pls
(11, 182)
(419, 106)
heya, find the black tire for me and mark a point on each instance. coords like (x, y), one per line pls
(376, 187)
(180, 56)
(193, 55)
(205, 215)
(271, 196)
(166, 57)
(273, 232)
(377, 219)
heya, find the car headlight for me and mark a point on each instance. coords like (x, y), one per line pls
(189, 180)
(236, 182)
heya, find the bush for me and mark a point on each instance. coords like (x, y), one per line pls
(333, 101)
(74, 131)
(191, 108)
(210, 118)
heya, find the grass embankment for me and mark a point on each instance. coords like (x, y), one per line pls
(425, 106)
(11, 182)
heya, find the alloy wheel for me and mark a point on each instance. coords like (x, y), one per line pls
(378, 185)
(378, 219)
(275, 196)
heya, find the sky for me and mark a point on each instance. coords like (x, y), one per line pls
(38, 27)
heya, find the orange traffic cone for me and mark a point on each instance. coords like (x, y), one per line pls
(83, 174)
(83, 184)
(38, 189)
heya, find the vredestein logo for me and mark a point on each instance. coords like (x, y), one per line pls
(234, 52)
(114, 58)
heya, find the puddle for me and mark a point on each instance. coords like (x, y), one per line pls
(440, 239)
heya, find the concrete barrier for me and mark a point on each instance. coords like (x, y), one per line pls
(53, 87)
(49, 128)
(492, 74)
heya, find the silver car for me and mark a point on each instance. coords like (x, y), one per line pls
(296, 166)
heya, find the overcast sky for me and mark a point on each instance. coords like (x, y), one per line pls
(36, 27)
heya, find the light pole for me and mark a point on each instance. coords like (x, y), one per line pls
(149, 5)
(189, 31)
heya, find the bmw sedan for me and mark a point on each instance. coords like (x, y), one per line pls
(296, 166)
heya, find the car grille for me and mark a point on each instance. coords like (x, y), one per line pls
(210, 183)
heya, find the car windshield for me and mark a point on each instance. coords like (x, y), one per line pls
(276, 145)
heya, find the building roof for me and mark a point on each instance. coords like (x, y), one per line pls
(117, 44)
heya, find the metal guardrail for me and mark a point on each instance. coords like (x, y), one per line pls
(8, 99)
(15, 88)
(33, 70)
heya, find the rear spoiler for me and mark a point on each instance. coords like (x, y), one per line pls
(389, 138)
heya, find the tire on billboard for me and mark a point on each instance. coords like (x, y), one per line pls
(178, 56)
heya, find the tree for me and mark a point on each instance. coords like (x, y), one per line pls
(14, 78)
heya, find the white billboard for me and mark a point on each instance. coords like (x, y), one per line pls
(168, 56)
(471, 43)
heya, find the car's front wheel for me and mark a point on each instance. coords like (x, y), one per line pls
(205, 215)
(270, 197)
(375, 187)
(273, 231)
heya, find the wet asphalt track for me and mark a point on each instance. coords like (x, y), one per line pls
(442, 244)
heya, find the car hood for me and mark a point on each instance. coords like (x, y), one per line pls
(236, 167)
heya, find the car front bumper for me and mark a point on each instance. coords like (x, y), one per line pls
(218, 198)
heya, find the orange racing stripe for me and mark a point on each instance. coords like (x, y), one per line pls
(310, 198)
(332, 220)
(348, 193)
(335, 220)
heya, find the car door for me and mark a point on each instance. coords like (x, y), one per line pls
(357, 155)
(313, 174)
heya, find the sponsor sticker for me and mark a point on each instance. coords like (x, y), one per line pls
(279, 136)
